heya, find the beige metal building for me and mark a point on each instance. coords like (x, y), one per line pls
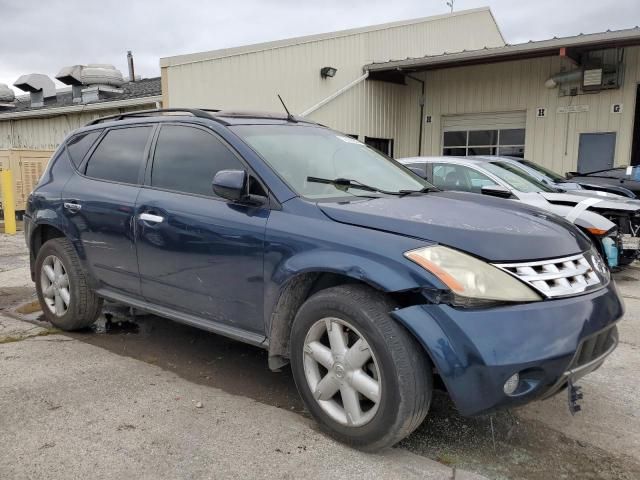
(564, 102)
(250, 77)
(574, 99)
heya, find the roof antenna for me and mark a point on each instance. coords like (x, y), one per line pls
(290, 117)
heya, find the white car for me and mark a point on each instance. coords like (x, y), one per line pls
(597, 216)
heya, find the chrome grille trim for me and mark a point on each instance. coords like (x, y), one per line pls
(557, 277)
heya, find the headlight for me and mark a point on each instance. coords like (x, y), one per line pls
(471, 278)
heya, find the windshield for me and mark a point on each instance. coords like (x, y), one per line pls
(297, 152)
(516, 178)
(544, 171)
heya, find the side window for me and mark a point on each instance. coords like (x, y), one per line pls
(459, 177)
(478, 180)
(79, 145)
(120, 155)
(186, 159)
(441, 173)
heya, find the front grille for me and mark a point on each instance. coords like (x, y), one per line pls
(594, 347)
(558, 277)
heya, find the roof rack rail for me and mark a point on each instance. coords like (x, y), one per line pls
(196, 112)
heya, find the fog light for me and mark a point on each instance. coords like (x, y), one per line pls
(511, 384)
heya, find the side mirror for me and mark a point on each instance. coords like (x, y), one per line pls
(231, 184)
(496, 191)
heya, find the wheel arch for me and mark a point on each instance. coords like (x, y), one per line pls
(299, 287)
(39, 235)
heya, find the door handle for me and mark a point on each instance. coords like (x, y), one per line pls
(72, 206)
(149, 217)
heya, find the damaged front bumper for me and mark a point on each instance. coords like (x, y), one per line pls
(546, 343)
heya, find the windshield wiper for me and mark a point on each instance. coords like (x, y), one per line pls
(422, 190)
(346, 183)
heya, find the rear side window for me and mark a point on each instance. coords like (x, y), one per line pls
(79, 145)
(186, 160)
(120, 155)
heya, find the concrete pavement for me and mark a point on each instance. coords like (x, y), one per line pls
(71, 410)
(119, 404)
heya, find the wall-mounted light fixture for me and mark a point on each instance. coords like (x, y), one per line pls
(328, 72)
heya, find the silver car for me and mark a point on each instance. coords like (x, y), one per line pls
(497, 177)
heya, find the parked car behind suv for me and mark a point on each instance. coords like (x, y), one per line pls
(294, 238)
(496, 176)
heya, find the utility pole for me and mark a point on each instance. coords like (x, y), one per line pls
(450, 5)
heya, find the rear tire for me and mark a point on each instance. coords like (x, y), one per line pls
(63, 291)
(389, 394)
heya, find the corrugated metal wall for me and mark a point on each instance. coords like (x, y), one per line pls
(252, 80)
(47, 133)
(519, 85)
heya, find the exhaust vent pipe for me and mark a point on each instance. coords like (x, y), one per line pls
(132, 72)
(564, 77)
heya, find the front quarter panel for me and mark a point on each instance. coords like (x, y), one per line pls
(300, 239)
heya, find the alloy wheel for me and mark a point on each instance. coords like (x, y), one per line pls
(54, 283)
(342, 372)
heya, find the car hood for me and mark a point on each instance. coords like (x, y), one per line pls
(491, 228)
(605, 200)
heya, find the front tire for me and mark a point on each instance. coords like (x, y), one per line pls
(362, 376)
(63, 291)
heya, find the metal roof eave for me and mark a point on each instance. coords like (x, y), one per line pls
(89, 107)
(531, 49)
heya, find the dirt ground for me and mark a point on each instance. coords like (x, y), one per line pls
(540, 441)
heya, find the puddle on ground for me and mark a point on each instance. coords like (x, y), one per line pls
(107, 324)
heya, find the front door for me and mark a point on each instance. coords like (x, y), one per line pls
(99, 202)
(596, 151)
(198, 253)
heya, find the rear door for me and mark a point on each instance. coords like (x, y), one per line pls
(99, 202)
(198, 253)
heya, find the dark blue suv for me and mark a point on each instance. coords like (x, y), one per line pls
(336, 259)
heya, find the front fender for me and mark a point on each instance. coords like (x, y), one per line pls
(381, 273)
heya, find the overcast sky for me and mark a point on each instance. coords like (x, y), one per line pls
(39, 36)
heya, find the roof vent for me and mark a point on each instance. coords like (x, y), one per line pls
(72, 75)
(7, 96)
(39, 87)
(92, 82)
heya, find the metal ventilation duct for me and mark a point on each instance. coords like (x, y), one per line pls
(6, 94)
(71, 75)
(35, 82)
(38, 85)
(564, 77)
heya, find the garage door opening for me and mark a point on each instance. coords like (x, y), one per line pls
(484, 134)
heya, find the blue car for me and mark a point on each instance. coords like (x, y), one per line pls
(336, 259)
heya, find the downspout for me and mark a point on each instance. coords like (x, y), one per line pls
(335, 94)
(422, 102)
